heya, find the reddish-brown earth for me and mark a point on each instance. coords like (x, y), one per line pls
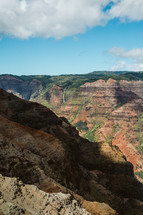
(44, 150)
(110, 110)
(55, 95)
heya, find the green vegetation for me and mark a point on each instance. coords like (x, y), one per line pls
(71, 83)
(45, 79)
(140, 174)
(74, 81)
(78, 101)
(139, 129)
(111, 136)
(80, 125)
(45, 103)
(90, 134)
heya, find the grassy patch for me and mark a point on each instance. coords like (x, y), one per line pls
(111, 136)
(140, 174)
(80, 125)
(90, 134)
(139, 130)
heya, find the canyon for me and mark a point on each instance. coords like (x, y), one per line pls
(109, 111)
(43, 156)
(102, 111)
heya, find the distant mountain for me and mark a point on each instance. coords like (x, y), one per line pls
(102, 110)
(43, 150)
(30, 87)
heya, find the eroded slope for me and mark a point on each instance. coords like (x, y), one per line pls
(44, 150)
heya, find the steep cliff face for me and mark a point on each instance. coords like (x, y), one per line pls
(55, 95)
(31, 89)
(110, 111)
(23, 89)
(42, 149)
(116, 92)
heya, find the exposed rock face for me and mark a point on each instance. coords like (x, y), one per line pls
(113, 105)
(34, 88)
(17, 198)
(122, 119)
(44, 150)
(108, 111)
(23, 89)
(114, 90)
(101, 89)
(55, 95)
(120, 125)
(132, 86)
(30, 89)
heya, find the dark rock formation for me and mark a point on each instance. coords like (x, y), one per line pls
(23, 89)
(44, 150)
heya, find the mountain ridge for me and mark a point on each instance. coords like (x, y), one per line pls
(67, 95)
(45, 150)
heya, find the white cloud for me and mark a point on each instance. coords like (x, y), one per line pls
(135, 56)
(127, 9)
(118, 66)
(59, 18)
(50, 18)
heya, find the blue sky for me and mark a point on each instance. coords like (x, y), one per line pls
(62, 39)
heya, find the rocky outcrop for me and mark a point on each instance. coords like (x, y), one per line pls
(34, 89)
(108, 111)
(30, 88)
(135, 87)
(55, 95)
(101, 110)
(115, 91)
(44, 150)
(120, 127)
(101, 89)
(17, 198)
(24, 89)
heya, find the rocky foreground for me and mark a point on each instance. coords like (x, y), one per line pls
(44, 150)
(17, 199)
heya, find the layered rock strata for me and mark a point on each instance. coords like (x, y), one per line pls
(55, 95)
(44, 150)
(109, 111)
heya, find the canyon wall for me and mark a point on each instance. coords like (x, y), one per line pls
(23, 89)
(44, 150)
(110, 111)
(102, 110)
